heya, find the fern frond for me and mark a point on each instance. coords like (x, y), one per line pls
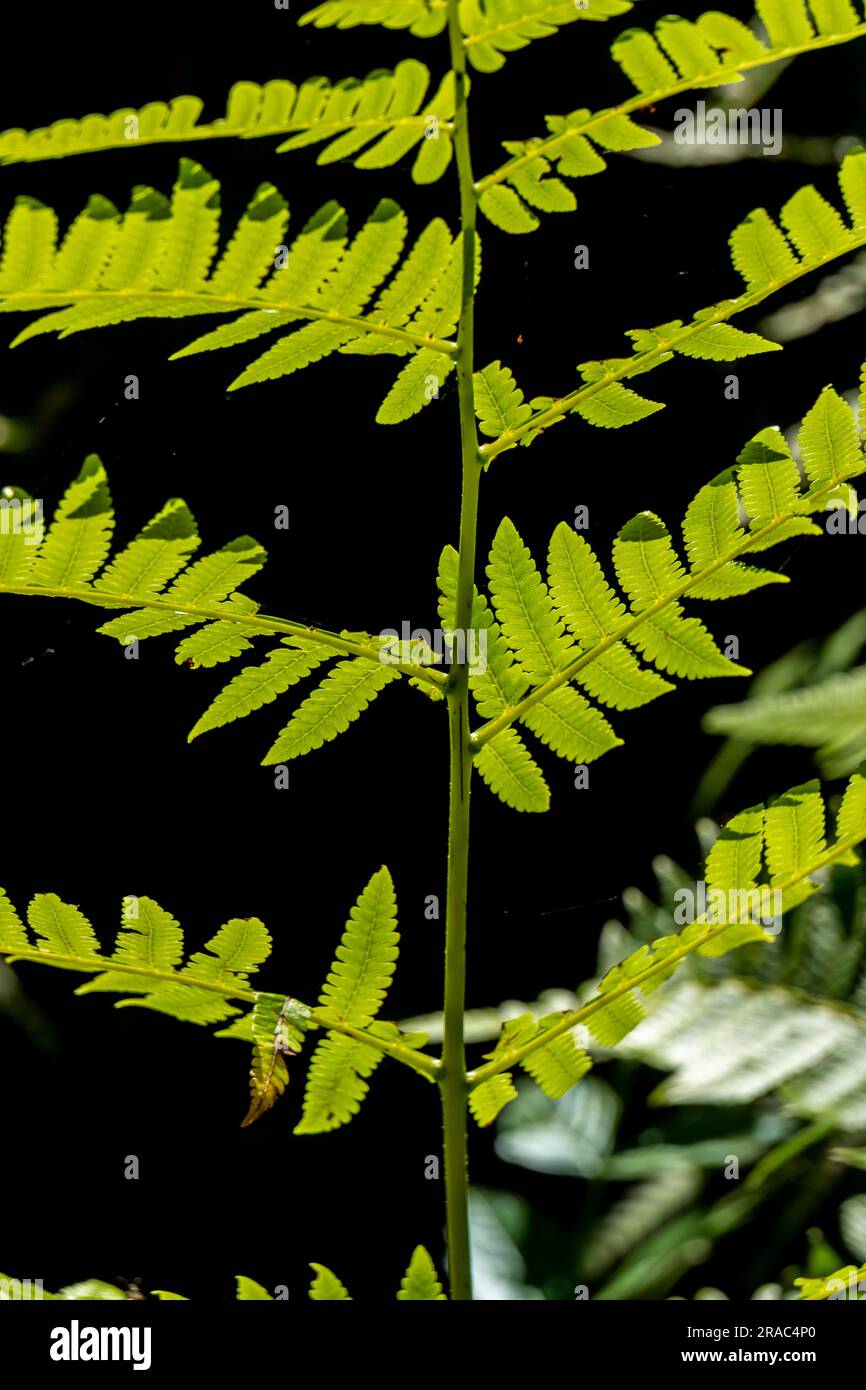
(512, 774)
(353, 993)
(576, 628)
(760, 858)
(713, 50)
(162, 590)
(159, 261)
(374, 121)
(420, 1283)
(766, 260)
(147, 968)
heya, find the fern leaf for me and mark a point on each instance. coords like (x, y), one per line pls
(571, 727)
(13, 933)
(195, 222)
(851, 819)
(499, 402)
(156, 555)
(160, 593)
(722, 342)
(28, 245)
(341, 698)
(648, 568)
(360, 976)
(710, 529)
(212, 645)
(502, 206)
(278, 1033)
(786, 20)
(21, 531)
(420, 1282)
(311, 259)
(79, 537)
(256, 686)
(527, 618)
(326, 1287)
(336, 1083)
(416, 386)
(491, 1097)
(795, 836)
(592, 611)
(829, 442)
(353, 992)
(512, 773)
(558, 1066)
(615, 406)
(60, 928)
(150, 937)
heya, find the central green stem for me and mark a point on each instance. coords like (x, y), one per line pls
(453, 1086)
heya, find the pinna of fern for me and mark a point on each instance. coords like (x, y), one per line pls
(554, 651)
(163, 590)
(213, 986)
(555, 646)
(158, 261)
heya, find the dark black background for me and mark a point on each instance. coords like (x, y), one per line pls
(102, 797)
